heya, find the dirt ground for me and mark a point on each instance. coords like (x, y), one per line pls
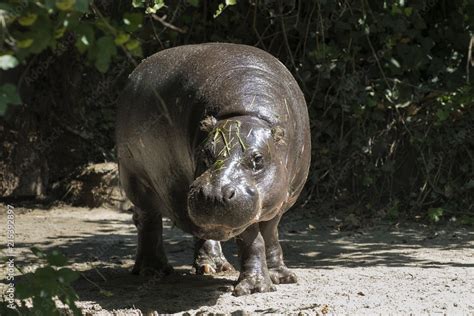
(380, 269)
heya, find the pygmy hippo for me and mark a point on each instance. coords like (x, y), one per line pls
(215, 137)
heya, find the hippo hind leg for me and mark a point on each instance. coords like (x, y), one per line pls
(279, 273)
(150, 258)
(209, 258)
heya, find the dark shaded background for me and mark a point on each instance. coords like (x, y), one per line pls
(386, 83)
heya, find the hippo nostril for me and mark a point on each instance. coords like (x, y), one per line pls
(228, 193)
(250, 191)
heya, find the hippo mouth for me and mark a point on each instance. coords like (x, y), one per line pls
(220, 212)
(218, 232)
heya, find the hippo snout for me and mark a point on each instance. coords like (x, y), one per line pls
(225, 208)
(228, 193)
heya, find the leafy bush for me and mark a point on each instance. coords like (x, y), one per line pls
(50, 282)
(386, 82)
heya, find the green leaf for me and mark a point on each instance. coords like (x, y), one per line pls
(408, 11)
(434, 214)
(106, 293)
(442, 115)
(132, 44)
(371, 102)
(85, 37)
(55, 258)
(121, 38)
(59, 32)
(132, 21)
(25, 289)
(222, 7)
(367, 180)
(105, 49)
(68, 298)
(138, 3)
(46, 273)
(44, 305)
(467, 220)
(8, 62)
(50, 4)
(37, 252)
(82, 5)
(48, 284)
(41, 34)
(66, 275)
(219, 10)
(28, 19)
(106, 46)
(157, 6)
(194, 3)
(8, 96)
(393, 212)
(396, 9)
(65, 5)
(137, 52)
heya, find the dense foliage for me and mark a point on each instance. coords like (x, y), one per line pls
(386, 82)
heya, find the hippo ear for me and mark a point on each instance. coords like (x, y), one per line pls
(278, 134)
(208, 124)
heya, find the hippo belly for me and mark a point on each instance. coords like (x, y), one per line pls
(216, 137)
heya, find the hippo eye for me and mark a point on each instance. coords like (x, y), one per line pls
(257, 161)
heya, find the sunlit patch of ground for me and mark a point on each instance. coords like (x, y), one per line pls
(382, 269)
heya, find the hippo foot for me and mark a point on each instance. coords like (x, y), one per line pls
(254, 283)
(211, 266)
(282, 275)
(151, 268)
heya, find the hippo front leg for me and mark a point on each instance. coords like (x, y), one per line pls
(209, 258)
(279, 273)
(254, 276)
(151, 257)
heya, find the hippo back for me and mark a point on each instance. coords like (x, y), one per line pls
(168, 95)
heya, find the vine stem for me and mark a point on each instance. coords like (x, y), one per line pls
(374, 53)
(470, 60)
(162, 20)
(288, 48)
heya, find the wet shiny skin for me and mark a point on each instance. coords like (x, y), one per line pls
(236, 177)
(230, 163)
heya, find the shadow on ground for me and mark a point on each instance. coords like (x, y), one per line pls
(170, 294)
(105, 255)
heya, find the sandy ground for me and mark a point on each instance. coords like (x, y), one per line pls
(381, 269)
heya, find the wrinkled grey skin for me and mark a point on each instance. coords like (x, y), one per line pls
(215, 137)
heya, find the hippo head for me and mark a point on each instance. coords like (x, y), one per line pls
(241, 176)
